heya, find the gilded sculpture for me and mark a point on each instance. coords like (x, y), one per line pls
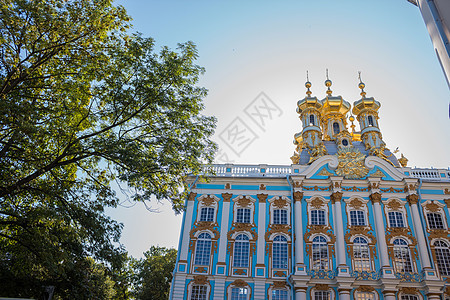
(351, 164)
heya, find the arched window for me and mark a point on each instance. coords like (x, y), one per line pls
(336, 128)
(280, 253)
(442, 257)
(396, 219)
(279, 295)
(364, 296)
(241, 251)
(435, 221)
(318, 217)
(239, 293)
(243, 215)
(207, 214)
(199, 292)
(357, 218)
(320, 254)
(280, 216)
(203, 249)
(312, 120)
(361, 254)
(402, 258)
(370, 120)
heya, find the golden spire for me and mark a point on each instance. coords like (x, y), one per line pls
(328, 84)
(308, 85)
(361, 85)
(352, 118)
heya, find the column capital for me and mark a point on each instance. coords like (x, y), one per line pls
(298, 196)
(412, 199)
(262, 197)
(344, 290)
(447, 201)
(336, 197)
(192, 196)
(375, 197)
(301, 288)
(226, 197)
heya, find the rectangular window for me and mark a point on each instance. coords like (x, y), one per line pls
(280, 216)
(395, 219)
(279, 295)
(435, 221)
(357, 218)
(409, 297)
(239, 294)
(243, 215)
(198, 292)
(318, 217)
(207, 214)
(364, 296)
(321, 295)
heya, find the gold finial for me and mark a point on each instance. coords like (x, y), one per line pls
(352, 118)
(361, 85)
(308, 85)
(328, 84)
(403, 161)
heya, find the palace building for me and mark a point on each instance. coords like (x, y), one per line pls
(346, 220)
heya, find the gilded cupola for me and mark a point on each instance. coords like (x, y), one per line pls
(333, 114)
(366, 111)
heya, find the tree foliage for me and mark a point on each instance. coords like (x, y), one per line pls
(154, 273)
(84, 103)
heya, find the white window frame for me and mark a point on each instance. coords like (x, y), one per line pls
(272, 208)
(202, 204)
(251, 206)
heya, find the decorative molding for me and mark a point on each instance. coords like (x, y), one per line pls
(375, 197)
(378, 173)
(412, 199)
(355, 189)
(280, 203)
(336, 197)
(279, 284)
(409, 290)
(244, 202)
(262, 187)
(226, 197)
(298, 196)
(262, 198)
(322, 287)
(356, 204)
(317, 188)
(317, 203)
(208, 200)
(365, 289)
(298, 184)
(200, 279)
(227, 186)
(447, 201)
(192, 196)
(394, 205)
(239, 283)
(432, 207)
(325, 172)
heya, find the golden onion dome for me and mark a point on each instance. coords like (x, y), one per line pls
(364, 103)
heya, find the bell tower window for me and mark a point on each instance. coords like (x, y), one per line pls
(312, 121)
(370, 120)
(336, 129)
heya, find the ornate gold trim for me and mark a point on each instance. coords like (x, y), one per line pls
(262, 198)
(409, 290)
(262, 187)
(298, 196)
(226, 197)
(200, 279)
(336, 197)
(365, 289)
(432, 207)
(356, 204)
(394, 205)
(412, 199)
(279, 202)
(317, 203)
(239, 283)
(279, 284)
(375, 197)
(208, 200)
(192, 196)
(321, 287)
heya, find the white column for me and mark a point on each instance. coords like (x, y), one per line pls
(219, 288)
(300, 293)
(389, 295)
(299, 255)
(379, 228)
(187, 227)
(259, 290)
(261, 229)
(344, 294)
(423, 251)
(224, 227)
(338, 229)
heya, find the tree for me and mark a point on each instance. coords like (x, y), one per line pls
(83, 103)
(154, 273)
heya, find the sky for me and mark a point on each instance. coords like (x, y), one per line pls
(256, 55)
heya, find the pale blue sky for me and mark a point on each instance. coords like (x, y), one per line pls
(249, 47)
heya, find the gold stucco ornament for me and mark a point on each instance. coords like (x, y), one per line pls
(318, 151)
(351, 164)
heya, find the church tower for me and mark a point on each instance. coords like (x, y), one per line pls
(310, 137)
(366, 111)
(333, 118)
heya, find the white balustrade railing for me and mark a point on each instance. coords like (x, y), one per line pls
(283, 170)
